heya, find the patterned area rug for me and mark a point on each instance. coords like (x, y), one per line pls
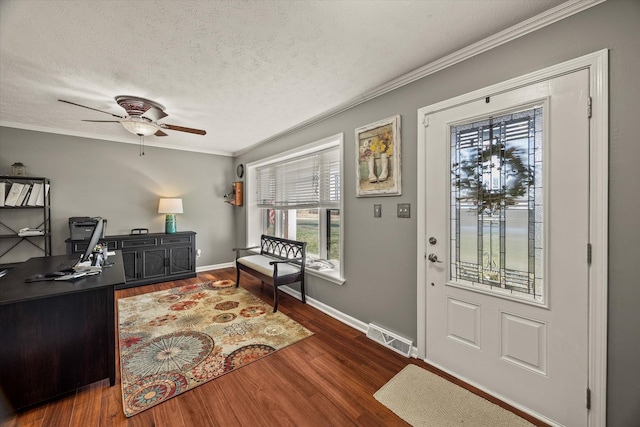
(172, 341)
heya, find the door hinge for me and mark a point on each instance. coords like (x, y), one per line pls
(425, 121)
(588, 398)
(589, 251)
(589, 109)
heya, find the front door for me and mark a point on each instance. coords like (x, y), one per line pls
(507, 223)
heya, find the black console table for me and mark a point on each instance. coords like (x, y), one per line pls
(56, 336)
(150, 258)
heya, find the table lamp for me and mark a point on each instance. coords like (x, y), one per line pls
(171, 207)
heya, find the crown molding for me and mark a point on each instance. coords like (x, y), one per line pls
(558, 13)
(134, 141)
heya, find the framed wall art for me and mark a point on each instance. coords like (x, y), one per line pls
(378, 167)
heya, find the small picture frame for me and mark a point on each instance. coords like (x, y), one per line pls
(378, 167)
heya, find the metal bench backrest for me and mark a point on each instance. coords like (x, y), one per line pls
(282, 248)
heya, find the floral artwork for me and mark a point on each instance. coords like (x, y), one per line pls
(378, 158)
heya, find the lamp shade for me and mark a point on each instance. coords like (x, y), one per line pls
(139, 126)
(170, 206)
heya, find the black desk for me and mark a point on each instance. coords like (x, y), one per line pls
(55, 336)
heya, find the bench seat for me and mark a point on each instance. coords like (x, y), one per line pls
(280, 262)
(261, 263)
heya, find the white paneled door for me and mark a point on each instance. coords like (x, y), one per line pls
(507, 223)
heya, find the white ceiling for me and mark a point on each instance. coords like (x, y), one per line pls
(242, 70)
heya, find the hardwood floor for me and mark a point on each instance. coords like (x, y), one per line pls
(327, 379)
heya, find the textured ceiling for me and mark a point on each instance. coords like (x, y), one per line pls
(242, 70)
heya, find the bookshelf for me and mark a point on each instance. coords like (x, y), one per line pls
(24, 203)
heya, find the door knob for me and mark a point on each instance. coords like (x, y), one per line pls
(433, 258)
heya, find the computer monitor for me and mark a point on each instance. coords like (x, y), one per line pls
(93, 241)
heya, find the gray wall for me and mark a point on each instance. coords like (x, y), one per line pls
(380, 254)
(91, 177)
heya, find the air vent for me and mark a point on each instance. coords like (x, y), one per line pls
(389, 339)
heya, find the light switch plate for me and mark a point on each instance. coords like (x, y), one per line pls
(404, 210)
(377, 211)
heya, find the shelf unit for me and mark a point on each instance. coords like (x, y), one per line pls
(13, 218)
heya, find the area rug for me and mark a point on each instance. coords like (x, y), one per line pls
(425, 399)
(172, 341)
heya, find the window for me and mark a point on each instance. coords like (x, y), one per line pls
(496, 204)
(297, 195)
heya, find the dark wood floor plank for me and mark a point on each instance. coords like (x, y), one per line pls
(169, 414)
(216, 404)
(59, 414)
(193, 409)
(142, 419)
(298, 407)
(33, 417)
(327, 379)
(314, 407)
(240, 391)
(88, 404)
(112, 414)
(11, 421)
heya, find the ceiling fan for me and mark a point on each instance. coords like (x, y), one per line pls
(142, 117)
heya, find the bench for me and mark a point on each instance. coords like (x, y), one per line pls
(280, 262)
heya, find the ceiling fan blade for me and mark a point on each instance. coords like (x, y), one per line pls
(182, 129)
(154, 114)
(102, 121)
(160, 133)
(94, 109)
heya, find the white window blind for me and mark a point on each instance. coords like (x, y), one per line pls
(309, 181)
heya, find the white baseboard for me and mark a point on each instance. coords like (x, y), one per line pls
(338, 315)
(215, 266)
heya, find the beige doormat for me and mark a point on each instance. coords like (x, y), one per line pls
(425, 399)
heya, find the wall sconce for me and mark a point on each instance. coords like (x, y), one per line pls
(171, 207)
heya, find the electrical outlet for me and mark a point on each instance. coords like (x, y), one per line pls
(198, 253)
(377, 211)
(404, 210)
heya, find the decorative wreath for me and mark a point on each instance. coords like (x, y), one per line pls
(468, 179)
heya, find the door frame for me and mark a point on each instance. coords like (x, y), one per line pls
(597, 64)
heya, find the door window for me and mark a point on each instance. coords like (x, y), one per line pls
(496, 204)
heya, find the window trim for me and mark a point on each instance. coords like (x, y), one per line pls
(252, 216)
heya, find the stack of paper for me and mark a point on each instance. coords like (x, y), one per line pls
(30, 232)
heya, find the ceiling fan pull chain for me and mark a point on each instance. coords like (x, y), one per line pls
(142, 145)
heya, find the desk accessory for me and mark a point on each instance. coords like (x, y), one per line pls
(18, 169)
(138, 231)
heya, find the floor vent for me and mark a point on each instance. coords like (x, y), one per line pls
(389, 339)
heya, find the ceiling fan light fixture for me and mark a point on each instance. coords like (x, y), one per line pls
(139, 126)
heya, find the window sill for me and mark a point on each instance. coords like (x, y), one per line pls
(329, 275)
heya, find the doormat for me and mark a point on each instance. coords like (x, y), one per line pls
(422, 398)
(172, 341)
